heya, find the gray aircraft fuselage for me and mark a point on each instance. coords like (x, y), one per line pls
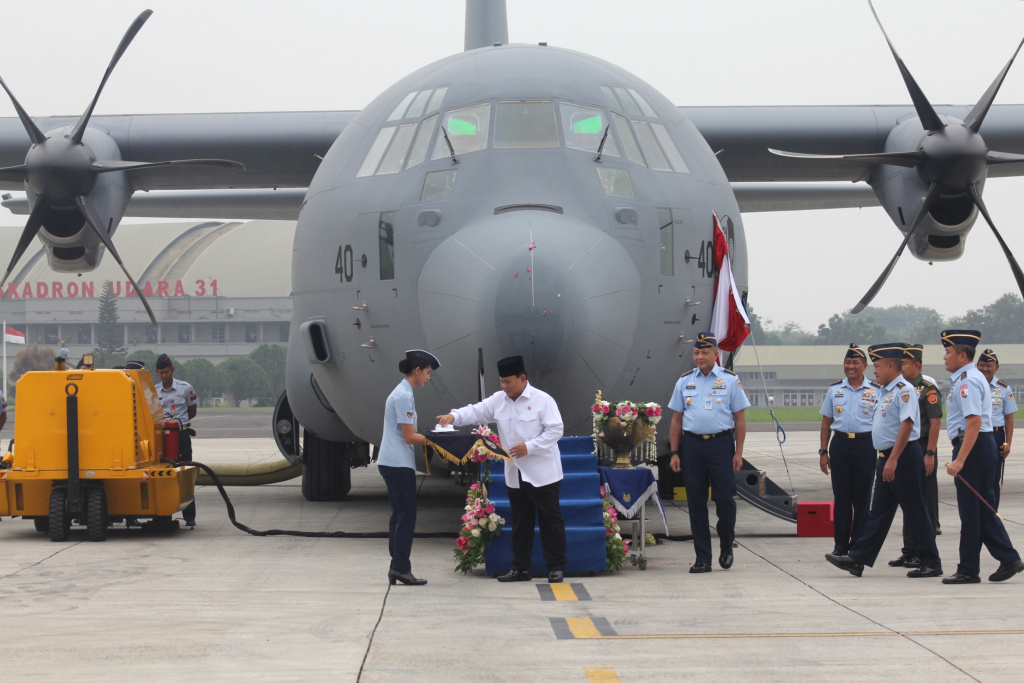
(597, 273)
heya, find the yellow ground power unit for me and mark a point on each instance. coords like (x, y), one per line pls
(89, 449)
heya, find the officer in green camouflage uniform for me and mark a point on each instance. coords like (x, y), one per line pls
(930, 401)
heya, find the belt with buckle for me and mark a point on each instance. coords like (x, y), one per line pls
(853, 435)
(885, 453)
(707, 436)
(957, 441)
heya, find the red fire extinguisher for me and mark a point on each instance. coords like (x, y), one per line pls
(171, 428)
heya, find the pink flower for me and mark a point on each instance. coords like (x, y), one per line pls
(493, 438)
(605, 408)
(602, 490)
(475, 487)
(489, 509)
(462, 542)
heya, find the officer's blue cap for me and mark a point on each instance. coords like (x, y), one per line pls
(135, 365)
(989, 356)
(163, 361)
(889, 350)
(419, 354)
(965, 337)
(914, 352)
(856, 352)
(706, 340)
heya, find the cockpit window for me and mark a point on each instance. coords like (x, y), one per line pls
(395, 156)
(584, 127)
(467, 130)
(435, 100)
(642, 103)
(376, 152)
(615, 182)
(419, 145)
(628, 141)
(652, 151)
(609, 98)
(525, 124)
(418, 104)
(627, 102)
(669, 146)
(399, 111)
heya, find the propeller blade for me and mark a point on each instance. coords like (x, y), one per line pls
(35, 221)
(929, 200)
(108, 166)
(1018, 275)
(79, 130)
(14, 174)
(929, 119)
(31, 128)
(908, 159)
(93, 219)
(1003, 157)
(977, 115)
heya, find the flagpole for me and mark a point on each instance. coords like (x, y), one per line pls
(5, 358)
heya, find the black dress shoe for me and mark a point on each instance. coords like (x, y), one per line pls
(1005, 571)
(725, 560)
(839, 551)
(556, 576)
(514, 575)
(905, 560)
(923, 572)
(961, 578)
(405, 577)
(700, 568)
(846, 563)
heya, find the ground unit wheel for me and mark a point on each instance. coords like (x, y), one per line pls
(59, 522)
(96, 514)
(42, 524)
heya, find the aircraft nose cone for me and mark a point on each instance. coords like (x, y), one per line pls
(553, 289)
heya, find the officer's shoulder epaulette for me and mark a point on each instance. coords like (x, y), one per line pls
(925, 383)
(1002, 383)
(963, 375)
(838, 381)
(874, 384)
(729, 372)
(900, 385)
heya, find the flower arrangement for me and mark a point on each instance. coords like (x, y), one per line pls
(616, 549)
(481, 454)
(480, 526)
(624, 425)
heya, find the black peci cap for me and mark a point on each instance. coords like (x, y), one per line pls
(513, 366)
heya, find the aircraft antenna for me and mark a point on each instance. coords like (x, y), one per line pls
(449, 143)
(600, 148)
(486, 23)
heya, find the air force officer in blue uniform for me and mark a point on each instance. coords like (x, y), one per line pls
(969, 426)
(846, 447)
(709, 419)
(899, 472)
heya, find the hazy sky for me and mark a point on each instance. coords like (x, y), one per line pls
(252, 55)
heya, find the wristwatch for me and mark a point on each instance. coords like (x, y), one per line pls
(822, 451)
(673, 452)
(929, 452)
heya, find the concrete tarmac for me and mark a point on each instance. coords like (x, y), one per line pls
(214, 603)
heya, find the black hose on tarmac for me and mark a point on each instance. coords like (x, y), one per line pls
(286, 532)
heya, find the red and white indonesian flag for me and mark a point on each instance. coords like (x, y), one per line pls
(12, 336)
(729, 322)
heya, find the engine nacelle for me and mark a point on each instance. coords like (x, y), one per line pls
(901, 192)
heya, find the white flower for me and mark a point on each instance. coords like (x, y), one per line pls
(615, 528)
(491, 526)
(607, 517)
(618, 537)
(469, 508)
(483, 521)
(493, 517)
(475, 532)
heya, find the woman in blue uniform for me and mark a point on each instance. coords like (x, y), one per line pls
(396, 462)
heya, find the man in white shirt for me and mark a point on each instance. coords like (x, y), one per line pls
(529, 426)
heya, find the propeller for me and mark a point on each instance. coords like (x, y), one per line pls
(951, 158)
(61, 171)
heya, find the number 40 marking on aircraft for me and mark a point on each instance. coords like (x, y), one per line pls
(344, 265)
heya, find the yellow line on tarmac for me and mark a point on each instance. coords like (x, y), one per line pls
(563, 591)
(583, 627)
(601, 674)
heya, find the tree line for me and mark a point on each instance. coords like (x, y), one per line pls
(1000, 322)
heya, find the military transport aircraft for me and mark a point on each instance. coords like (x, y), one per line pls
(509, 199)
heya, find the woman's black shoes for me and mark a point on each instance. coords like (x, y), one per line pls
(404, 577)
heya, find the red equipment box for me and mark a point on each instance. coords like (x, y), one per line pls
(814, 518)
